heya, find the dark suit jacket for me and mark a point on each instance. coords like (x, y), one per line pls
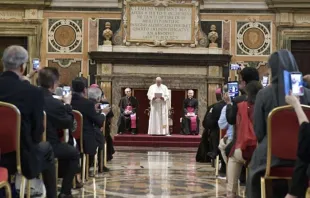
(29, 100)
(91, 119)
(59, 117)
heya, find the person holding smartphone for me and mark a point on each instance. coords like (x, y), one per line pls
(267, 99)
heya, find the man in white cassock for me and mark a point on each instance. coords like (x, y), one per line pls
(159, 96)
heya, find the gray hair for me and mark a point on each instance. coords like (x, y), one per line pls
(13, 57)
(94, 93)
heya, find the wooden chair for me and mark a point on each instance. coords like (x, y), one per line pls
(282, 137)
(10, 138)
(4, 182)
(103, 155)
(217, 160)
(78, 135)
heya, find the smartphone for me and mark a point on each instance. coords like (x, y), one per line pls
(265, 81)
(103, 106)
(66, 90)
(35, 63)
(235, 67)
(297, 83)
(233, 89)
(287, 82)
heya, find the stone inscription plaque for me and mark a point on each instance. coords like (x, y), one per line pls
(173, 23)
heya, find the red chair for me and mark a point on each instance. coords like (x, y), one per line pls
(10, 137)
(282, 135)
(78, 135)
(4, 178)
(217, 161)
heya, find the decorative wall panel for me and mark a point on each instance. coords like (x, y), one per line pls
(206, 26)
(65, 35)
(226, 36)
(68, 69)
(115, 26)
(254, 38)
(92, 34)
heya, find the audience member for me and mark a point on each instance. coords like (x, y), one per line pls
(267, 99)
(90, 117)
(223, 124)
(245, 138)
(36, 156)
(204, 146)
(94, 95)
(247, 75)
(300, 177)
(59, 117)
(212, 124)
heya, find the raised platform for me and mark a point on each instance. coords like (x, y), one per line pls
(157, 141)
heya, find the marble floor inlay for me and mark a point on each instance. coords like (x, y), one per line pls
(151, 173)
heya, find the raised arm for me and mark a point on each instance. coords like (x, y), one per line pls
(223, 124)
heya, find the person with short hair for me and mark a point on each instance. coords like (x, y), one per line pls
(94, 95)
(36, 156)
(190, 121)
(245, 143)
(158, 95)
(128, 108)
(91, 118)
(59, 118)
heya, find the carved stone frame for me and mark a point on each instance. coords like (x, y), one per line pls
(30, 29)
(286, 35)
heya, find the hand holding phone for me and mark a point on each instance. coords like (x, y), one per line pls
(35, 64)
(297, 84)
(67, 98)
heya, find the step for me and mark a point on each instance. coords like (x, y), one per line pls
(156, 144)
(157, 138)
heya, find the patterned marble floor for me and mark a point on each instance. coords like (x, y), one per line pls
(151, 173)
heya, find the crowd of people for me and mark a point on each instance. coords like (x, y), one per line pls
(38, 156)
(244, 118)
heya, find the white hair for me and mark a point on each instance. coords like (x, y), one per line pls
(158, 79)
(127, 89)
(190, 91)
(94, 93)
(13, 57)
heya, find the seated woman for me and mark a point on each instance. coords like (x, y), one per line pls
(267, 99)
(245, 143)
(300, 177)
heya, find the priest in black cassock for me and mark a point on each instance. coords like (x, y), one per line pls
(190, 120)
(128, 119)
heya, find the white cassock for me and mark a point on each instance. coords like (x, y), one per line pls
(158, 121)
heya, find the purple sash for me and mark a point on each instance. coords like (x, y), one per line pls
(133, 118)
(192, 118)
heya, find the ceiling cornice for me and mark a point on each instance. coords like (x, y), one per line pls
(39, 4)
(288, 4)
(86, 3)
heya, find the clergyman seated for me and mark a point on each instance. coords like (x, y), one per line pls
(190, 120)
(128, 119)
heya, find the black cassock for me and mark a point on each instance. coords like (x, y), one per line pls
(186, 121)
(124, 122)
(108, 138)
